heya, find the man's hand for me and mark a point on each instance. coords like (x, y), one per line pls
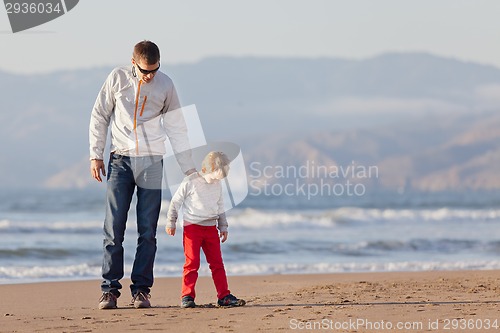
(96, 168)
(170, 231)
(223, 236)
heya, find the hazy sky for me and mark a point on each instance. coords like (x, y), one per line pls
(103, 32)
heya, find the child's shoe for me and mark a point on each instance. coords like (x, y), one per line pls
(187, 302)
(230, 301)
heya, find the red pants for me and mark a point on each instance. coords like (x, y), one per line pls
(198, 237)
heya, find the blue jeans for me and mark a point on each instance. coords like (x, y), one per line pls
(124, 175)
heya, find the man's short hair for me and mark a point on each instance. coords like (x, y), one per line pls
(147, 51)
(215, 161)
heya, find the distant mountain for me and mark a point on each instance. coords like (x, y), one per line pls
(321, 94)
(282, 111)
(432, 154)
(468, 160)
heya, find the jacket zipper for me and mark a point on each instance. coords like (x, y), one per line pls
(140, 114)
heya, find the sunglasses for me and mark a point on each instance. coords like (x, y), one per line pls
(146, 72)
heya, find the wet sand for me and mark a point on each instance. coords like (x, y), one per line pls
(437, 301)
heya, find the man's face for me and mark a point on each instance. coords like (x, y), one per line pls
(144, 71)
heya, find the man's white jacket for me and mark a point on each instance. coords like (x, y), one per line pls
(141, 116)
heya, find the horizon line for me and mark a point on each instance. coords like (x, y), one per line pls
(250, 56)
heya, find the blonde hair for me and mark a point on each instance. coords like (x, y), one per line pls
(215, 161)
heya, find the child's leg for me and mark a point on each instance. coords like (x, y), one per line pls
(192, 239)
(211, 248)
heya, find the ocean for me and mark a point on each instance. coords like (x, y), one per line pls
(57, 235)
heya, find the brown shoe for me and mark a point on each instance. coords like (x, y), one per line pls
(107, 301)
(141, 300)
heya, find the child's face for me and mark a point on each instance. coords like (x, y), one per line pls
(214, 176)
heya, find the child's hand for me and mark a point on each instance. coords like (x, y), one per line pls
(170, 231)
(223, 236)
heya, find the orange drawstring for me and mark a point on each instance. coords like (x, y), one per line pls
(135, 116)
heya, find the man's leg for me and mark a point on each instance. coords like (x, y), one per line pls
(148, 211)
(120, 189)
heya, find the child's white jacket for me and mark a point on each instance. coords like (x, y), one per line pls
(202, 203)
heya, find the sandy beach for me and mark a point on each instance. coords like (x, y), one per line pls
(437, 301)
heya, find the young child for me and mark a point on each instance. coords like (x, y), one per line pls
(200, 195)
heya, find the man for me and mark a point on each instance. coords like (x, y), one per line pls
(141, 106)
